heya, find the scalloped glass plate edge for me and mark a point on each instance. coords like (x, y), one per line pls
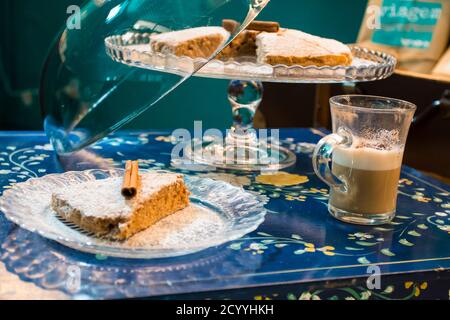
(242, 220)
(369, 65)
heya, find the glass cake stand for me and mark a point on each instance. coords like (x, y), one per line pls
(242, 148)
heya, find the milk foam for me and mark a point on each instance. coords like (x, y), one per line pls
(365, 158)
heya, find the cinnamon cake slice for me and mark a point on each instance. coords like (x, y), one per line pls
(200, 42)
(294, 47)
(244, 45)
(99, 208)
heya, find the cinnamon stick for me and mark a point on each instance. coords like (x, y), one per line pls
(130, 179)
(267, 26)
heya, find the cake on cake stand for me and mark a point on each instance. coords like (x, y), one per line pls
(242, 148)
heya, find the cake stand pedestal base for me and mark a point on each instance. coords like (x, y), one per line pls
(242, 149)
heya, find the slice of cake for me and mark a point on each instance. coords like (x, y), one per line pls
(99, 207)
(244, 45)
(200, 42)
(293, 47)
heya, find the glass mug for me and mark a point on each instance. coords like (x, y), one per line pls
(365, 152)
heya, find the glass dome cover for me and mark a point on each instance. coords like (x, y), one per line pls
(85, 95)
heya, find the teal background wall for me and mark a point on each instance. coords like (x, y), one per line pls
(27, 28)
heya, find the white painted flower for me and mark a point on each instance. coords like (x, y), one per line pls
(361, 235)
(46, 147)
(365, 295)
(257, 246)
(305, 296)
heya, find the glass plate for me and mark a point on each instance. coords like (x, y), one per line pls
(133, 49)
(222, 213)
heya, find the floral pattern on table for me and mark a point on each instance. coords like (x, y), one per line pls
(298, 228)
(411, 290)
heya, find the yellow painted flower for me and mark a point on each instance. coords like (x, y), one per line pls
(310, 247)
(282, 179)
(416, 292)
(293, 198)
(315, 190)
(417, 287)
(327, 250)
(421, 198)
(406, 181)
(164, 139)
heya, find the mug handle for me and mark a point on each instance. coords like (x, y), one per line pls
(322, 158)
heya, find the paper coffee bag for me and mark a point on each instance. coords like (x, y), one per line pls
(443, 66)
(416, 32)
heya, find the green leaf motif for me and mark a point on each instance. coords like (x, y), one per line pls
(366, 244)
(269, 241)
(440, 214)
(414, 233)
(275, 195)
(263, 234)
(389, 289)
(422, 226)
(235, 246)
(382, 229)
(299, 252)
(363, 260)
(280, 245)
(353, 249)
(291, 296)
(417, 214)
(403, 217)
(296, 236)
(387, 252)
(405, 242)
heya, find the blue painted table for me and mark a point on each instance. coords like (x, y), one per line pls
(299, 252)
